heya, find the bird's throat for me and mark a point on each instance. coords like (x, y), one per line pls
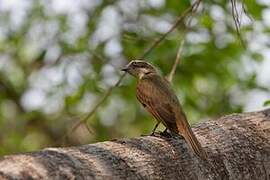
(141, 75)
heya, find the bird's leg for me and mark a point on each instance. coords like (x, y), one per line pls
(153, 131)
(166, 130)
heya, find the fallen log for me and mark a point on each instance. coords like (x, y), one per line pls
(238, 147)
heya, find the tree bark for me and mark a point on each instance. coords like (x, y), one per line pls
(238, 147)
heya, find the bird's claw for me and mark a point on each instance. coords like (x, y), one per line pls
(166, 134)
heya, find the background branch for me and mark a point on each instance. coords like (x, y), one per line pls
(177, 61)
(179, 20)
(180, 49)
(237, 20)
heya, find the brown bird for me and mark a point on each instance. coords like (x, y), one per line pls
(157, 97)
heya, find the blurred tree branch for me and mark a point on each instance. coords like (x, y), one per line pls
(181, 46)
(237, 19)
(179, 20)
(176, 62)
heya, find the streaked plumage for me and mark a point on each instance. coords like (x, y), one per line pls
(156, 95)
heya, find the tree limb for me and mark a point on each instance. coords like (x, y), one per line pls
(177, 22)
(177, 61)
(182, 42)
(237, 20)
(238, 147)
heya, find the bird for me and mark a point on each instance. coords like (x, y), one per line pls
(156, 95)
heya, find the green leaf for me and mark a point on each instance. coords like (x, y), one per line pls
(266, 103)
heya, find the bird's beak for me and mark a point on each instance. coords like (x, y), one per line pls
(125, 69)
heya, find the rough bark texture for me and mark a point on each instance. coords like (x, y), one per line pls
(238, 147)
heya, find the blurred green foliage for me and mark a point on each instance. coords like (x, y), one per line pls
(57, 58)
(266, 103)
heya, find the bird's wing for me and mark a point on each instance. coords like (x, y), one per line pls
(160, 100)
(153, 95)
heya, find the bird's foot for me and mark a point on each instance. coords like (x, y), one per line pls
(166, 134)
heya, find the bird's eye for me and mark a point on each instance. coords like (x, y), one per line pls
(139, 64)
(135, 64)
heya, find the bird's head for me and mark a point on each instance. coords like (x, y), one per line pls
(139, 68)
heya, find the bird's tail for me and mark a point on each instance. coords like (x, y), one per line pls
(185, 130)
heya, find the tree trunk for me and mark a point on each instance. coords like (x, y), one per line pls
(238, 147)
